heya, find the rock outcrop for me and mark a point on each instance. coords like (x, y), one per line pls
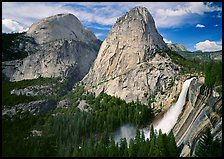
(35, 107)
(128, 64)
(202, 110)
(37, 90)
(65, 49)
(177, 47)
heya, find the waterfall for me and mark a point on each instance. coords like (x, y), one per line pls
(166, 123)
(170, 117)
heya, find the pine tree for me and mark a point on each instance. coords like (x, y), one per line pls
(147, 143)
(153, 146)
(171, 145)
(161, 149)
(154, 149)
(137, 137)
(123, 147)
(142, 146)
(132, 151)
(207, 147)
(216, 148)
(112, 149)
(142, 136)
(152, 133)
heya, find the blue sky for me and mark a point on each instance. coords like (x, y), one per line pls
(197, 25)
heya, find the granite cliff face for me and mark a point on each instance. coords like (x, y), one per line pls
(202, 110)
(128, 63)
(64, 49)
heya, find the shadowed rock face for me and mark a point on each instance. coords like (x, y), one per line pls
(127, 64)
(65, 49)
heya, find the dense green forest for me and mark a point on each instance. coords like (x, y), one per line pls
(213, 74)
(160, 145)
(71, 132)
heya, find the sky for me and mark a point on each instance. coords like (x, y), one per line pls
(196, 25)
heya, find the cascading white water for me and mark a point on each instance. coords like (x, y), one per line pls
(170, 117)
(166, 123)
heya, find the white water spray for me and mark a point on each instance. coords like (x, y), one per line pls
(165, 124)
(170, 117)
(127, 131)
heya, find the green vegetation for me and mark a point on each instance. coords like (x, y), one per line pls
(211, 69)
(150, 100)
(71, 132)
(199, 55)
(213, 73)
(145, 94)
(208, 147)
(12, 99)
(187, 66)
(18, 139)
(160, 145)
(171, 84)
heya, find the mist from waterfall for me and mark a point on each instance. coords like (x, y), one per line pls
(166, 123)
(169, 119)
(127, 131)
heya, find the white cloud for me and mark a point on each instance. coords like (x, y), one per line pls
(182, 13)
(199, 26)
(9, 26)
(27, 12)
(208, 46)
(167, 41)
(166, 14)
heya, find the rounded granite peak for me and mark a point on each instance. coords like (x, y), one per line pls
(61, 15)
(60, 26)
(64, 14)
